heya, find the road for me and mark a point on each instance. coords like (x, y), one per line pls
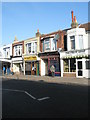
(30, 99)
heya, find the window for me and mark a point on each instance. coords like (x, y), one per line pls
(47, 44)
(31, 47)
(72, 65)
(35, 47)
(72, 39)
(18, 50)
(54, 44)
(66, 65)
(87, 64)
(81, 42)
(6, 52)
(69, 65)
(55, 62)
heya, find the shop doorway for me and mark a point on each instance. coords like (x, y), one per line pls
(79, 68)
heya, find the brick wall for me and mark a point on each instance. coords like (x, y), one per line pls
(69, 74)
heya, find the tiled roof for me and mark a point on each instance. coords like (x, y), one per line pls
(86, 26)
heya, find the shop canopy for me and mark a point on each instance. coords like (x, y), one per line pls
(5, 60)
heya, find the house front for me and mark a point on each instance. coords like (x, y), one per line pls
(30, 56)
(75, 62)
(5, 57)
(17, 59)
(49, 45)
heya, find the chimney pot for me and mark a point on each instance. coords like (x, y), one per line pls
(72, 15)
(74, 18)
(38, 30)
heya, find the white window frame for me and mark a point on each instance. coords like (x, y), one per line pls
(71, 39)
(33, 47)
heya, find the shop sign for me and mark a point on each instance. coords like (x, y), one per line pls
(31, 58)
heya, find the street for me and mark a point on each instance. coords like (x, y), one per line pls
(31, 99)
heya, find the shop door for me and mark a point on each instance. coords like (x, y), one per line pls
(37, 68)
(79, 68)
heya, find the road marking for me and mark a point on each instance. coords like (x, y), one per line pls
(44, 98)
(30, 95)
(14, 90)
(40, 99)
(22, 92)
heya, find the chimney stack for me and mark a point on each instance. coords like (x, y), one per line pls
(74, 23)
(38, 33)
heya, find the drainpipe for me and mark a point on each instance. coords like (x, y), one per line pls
(59, 50)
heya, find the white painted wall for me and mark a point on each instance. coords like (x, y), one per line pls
(8, 49)
(1, 52)
(42, 68)
(62, 67)
(76, 32)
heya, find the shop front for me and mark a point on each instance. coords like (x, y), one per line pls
(6, 64)
(75, 64)
(31, 65)
(17, 65)
(49, 59)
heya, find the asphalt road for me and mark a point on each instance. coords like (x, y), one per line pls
(28, 99)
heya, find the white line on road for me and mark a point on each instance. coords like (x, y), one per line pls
(40, 99)
(44, 98)
(21, 91)
(30, 95)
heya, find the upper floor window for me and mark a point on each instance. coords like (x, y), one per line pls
(31, 47)
(47, 44)
(54, 44)
(72, 40)
(18, 50)
(88, 64)
(81, 42)
(6, 52)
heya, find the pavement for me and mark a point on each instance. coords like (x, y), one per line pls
(49, 79)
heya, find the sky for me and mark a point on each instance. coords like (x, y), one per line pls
(22, 19)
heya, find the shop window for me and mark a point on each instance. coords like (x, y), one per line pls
(66, 65)
(72, 65)
(88, 64)
(55, 62)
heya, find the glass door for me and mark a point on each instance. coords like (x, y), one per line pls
(79, 68)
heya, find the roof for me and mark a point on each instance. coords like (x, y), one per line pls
(52, 33)
(86, 26)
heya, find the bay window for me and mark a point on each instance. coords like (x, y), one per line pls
(18, 50)
(31, 47)
(47, 44)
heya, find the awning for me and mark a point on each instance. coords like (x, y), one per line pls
(5, 60)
